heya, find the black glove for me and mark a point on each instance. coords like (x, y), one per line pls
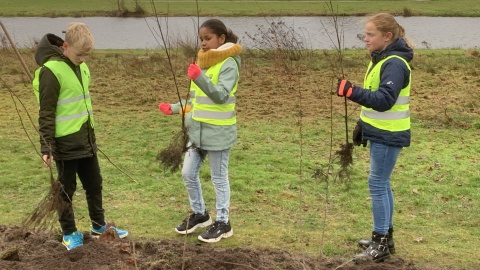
(357, 136)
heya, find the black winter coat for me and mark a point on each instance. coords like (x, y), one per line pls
(78, 145)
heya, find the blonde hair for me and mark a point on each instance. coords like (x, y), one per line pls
(386, 23)
(79, 36)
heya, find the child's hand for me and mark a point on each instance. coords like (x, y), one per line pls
(185, 109)
(165, 108)
(194, 71)
(344, 88)
(47, 160)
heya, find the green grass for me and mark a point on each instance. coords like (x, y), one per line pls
(275, 201)
(81, 8)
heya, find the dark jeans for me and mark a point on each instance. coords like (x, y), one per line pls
(88, 171)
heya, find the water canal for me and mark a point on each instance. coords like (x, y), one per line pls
(142, 33)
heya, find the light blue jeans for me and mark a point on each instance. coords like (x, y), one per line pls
(382, 162)
(194, 159)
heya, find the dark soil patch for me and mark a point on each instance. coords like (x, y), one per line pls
(29, 250)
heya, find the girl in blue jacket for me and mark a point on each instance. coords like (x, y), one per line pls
(384, 121)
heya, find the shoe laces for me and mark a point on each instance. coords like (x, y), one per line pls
(189, 219)
(193, 216)
(76, 238)
(215, 226)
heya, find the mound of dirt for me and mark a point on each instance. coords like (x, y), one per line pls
(29, 250)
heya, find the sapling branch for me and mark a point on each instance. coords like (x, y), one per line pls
(171, 156)
(346, 149)
(42, 215)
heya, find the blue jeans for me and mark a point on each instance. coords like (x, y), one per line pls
(382, 162)
(219, 172)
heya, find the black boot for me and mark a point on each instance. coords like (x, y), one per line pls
(364, 244)
(377, 250)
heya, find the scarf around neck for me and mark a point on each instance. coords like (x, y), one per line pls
(213, 56)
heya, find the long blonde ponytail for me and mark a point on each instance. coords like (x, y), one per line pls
(385, 23)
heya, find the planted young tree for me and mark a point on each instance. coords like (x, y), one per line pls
(288, 47)
(280, 41)
(330, 172)
(336, 63)
(42, 216)
(171, 157)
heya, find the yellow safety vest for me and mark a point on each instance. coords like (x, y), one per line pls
(398, 117)
(36, 84)
(207, 111)
(74, 105)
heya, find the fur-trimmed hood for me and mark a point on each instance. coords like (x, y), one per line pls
(209, 58)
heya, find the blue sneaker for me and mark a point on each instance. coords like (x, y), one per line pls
(73, 240)
(96, 232)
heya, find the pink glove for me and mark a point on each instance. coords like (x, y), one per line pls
(165, 108)
(194, 71)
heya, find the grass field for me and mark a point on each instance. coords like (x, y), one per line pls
(289, 126)
(85, 8)
(286, 119)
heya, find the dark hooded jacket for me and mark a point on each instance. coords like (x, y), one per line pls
(80, 144)
(392, 70)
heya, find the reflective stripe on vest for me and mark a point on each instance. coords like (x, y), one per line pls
(207, 100)
(36, 84)
(74, 106)
(398, 117)
(206, 110)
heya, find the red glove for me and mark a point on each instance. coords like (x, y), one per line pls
(165, 108)
(344, 88)
(194, 71)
